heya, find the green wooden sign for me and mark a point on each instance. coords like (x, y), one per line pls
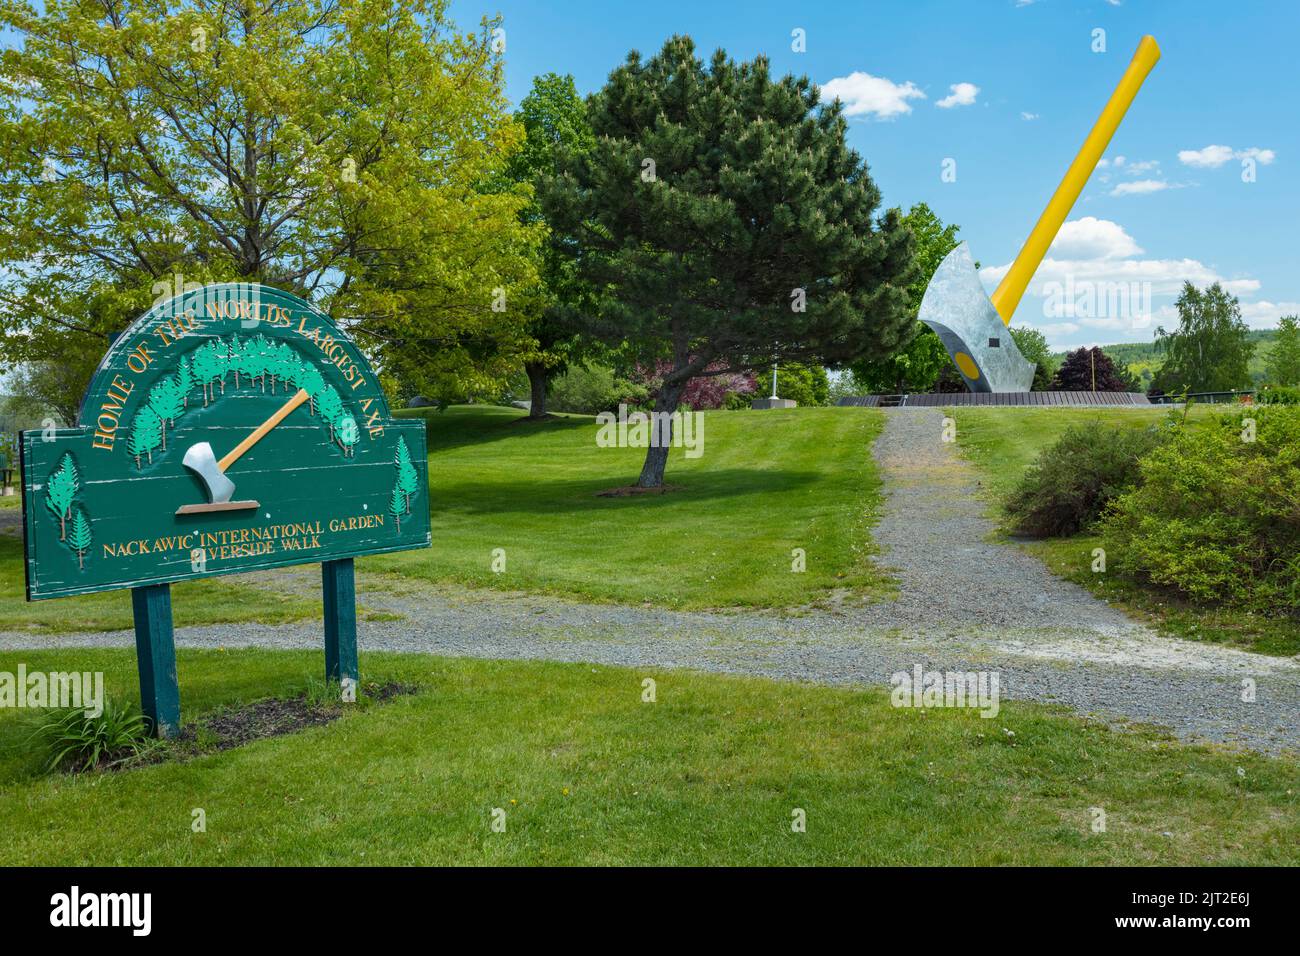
(231, 428)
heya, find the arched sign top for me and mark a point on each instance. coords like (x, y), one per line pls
(231, 427)
(229, 313)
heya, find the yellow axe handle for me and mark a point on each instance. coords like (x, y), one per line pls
(1013, 284)
(260, 432)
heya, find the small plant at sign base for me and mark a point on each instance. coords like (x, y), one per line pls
(76, 742)
(322, 693)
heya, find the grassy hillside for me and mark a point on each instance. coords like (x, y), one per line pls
(587, 773)
(766, 483)
(1146, 356)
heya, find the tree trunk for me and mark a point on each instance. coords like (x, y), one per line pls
(656, 456)
(537, 381)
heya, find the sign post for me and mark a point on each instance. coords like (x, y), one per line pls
(155, 654)
(340, 592)
(229, 429)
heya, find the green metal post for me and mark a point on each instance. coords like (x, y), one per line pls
(155, 653)
(338, 584)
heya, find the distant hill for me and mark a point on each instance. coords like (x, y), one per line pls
(1145, 358)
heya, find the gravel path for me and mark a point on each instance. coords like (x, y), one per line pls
(964, 603)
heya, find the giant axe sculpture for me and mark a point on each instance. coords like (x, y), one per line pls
(972, 325)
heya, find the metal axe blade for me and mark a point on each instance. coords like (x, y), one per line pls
(201, 460)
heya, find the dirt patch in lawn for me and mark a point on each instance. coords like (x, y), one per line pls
(265, 718)
(275, 717)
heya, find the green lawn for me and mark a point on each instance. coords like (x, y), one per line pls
(766, 483)
(211, 601)
(1002, 442)
(588, 774)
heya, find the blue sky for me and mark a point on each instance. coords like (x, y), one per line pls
(1170, 203)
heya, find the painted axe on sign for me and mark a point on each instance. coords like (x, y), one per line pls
(201, 460)
(971, 325)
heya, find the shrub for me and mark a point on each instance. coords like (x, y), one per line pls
(1068, 487)
(74, 741)
(1278, 395)
(590, 390)
(1216, 515)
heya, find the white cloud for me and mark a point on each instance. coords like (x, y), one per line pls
(1264, 315)
(1212, 157)
(963, 94)
(1140, 186)
(1028, 117)
(1095, 261)
(1093, 238)
(1263, 156)
(867, 95)
(1165, 275)
(1144, 166)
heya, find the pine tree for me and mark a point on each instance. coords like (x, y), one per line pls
(312, 382)
(79, 538)
(185, 381)
(167, 403)
(146, 433)
(396, 507)
(348, 434)
(331, 407)
(60, 490)
(757, 225)
(236, 352)
(204, 369)
(407, 477)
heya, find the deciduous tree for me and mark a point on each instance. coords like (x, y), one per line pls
(338, 149)
(1211, 348)
(1284, 361)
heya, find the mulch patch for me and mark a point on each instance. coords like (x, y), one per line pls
(627, 491)
(263, 718)
(243, 724)
(277, 716)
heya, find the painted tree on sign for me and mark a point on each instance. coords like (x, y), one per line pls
(167, 403)
(60, 490)
(185, 381)
(348, 434)
(79, 536)
(235, 349)
(205, 369)
(331, 408)
(396, 508)
(146, 435)
(312, 382)
(408, 479)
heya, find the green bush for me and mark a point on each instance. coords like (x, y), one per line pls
(806, 384)
(590, 390)
(1278, 395)
(1069, 485)
(72, 740)
(1216, 514)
